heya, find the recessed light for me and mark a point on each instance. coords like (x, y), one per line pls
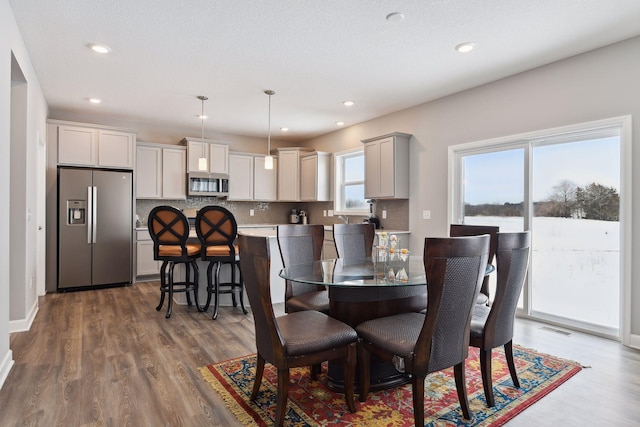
(284, 129)
(200, 116)
(348, 103)
(465, 47)
(100, 48)
(340, 123)
(395, 17)
(95, 100)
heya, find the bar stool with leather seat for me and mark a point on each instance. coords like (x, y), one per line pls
(169, 230)
(217, 230)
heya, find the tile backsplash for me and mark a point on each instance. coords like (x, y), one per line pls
(278, 212)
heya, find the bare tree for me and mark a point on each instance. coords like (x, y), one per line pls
(563, 198)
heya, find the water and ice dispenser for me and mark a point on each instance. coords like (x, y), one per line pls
(76, 212)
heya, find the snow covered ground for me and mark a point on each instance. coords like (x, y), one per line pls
(575, 266)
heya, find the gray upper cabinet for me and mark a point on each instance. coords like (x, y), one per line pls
(386, 168)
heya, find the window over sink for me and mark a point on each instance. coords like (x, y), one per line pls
(349, 183)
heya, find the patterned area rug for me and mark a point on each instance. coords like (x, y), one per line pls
(311, 403)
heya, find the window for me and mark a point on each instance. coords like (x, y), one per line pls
(349, 183)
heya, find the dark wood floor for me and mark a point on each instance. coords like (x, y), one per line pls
(106, 357)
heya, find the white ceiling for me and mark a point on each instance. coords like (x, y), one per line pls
(315, 54)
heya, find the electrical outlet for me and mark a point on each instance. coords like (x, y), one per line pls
(252, 212)
(330, 213)
(426, 214)
(31, 282)
(384, 214)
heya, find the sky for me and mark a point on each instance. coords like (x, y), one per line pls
(499, 177)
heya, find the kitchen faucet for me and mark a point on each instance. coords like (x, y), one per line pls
(344, 218)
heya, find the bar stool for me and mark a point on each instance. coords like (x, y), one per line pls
(217, 229)
(169, 229)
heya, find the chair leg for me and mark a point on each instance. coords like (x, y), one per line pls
(417, 390)
(315, 371)
(258, 380)
(187, 281)
(461, 387)
(216, 296)
(487, 381)
(163, 285)
(232, 266)
(364, 360)
(283, 393)
(209, 285)
(196, 283)
(241, 291)
(508, 352)
(349, 368)
(170, 286)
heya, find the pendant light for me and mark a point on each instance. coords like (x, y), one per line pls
(202, 161)
(268, 160)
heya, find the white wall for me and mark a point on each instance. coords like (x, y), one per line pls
(596, 85)
(11, 41)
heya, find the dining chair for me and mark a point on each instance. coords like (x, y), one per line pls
(459, 230)
(301, 244)
(420, 344)
(217, 229)
(169, 230)
(493, 327)
(354, 241)
(286, 341)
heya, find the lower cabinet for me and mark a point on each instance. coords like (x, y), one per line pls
(145, 264)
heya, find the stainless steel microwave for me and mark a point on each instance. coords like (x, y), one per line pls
(207, 184)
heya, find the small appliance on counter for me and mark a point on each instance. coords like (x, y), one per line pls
(303, 217)
(373, 218)
(294, 217)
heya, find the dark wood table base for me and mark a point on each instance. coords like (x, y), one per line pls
(357, 305)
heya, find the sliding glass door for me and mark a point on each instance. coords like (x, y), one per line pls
(575, 263)
(565, 187)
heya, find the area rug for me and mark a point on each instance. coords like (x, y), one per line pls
(311, 403)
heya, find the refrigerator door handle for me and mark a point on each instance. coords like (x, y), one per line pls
(89, 213)
(94, 220)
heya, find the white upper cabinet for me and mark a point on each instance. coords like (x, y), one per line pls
(174, 173)
(387, 166)
(289, 173)
(115, 149)
(77, 145)
(216, 153)
(315, 177)
(148, 172)
(93, 146)
(161, 172)
(249, 180)
(240, 177)
(265, 181)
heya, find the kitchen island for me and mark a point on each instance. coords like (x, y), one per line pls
(152, 268)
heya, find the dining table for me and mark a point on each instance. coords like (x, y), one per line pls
(365, 289)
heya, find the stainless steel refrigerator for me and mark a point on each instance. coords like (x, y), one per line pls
(95, 227)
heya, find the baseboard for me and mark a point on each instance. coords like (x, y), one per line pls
(634, 341)
(24, 324)
(5, 367)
